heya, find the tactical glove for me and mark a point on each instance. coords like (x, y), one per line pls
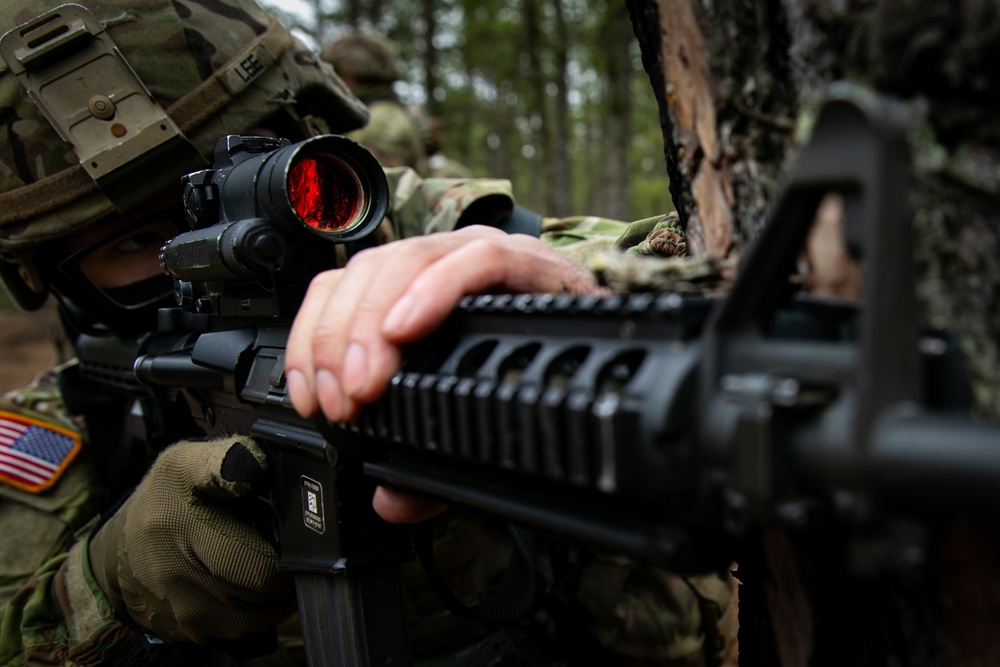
(177, 558)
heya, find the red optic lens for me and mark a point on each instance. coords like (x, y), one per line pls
(325, 194)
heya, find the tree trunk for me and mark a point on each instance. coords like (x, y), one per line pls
(430, 58)
(374, 10)
(734, 81)
(728, 128)
(353, 12)
(593, 143)
(617, 121)
(562, 200)
(503, 141)
(538, 115)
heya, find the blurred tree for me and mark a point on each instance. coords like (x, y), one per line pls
(548, 93)
(562, 185)
(430, 60)
(617, 120)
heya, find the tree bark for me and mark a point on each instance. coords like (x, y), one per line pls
(734, 82)
(727, 110)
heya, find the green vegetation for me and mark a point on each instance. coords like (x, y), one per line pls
(548, 93)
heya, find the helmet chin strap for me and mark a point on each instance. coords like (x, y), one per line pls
(104, 314)
(19, 278)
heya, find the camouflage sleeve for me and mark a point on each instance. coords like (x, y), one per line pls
(43, 520)
(46, 524)
(62, 617)
(427, 205)
(392, 137)
(585, 238)
(660, 236)
(52, 610)
(442, 166)
(645, 255)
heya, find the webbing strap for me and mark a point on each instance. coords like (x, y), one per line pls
(232, 78)
(45, 195)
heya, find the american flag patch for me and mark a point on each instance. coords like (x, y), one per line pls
(34, 454)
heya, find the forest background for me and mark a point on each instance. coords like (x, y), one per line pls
(550, 94)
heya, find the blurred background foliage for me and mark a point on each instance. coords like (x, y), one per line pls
(550, 94)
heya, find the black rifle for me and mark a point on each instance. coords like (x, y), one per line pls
(660, 425)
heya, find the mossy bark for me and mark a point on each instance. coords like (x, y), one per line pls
(735, 81)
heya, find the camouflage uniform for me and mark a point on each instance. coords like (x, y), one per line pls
(55, 612)
(424, 206)
(389, 134)
(631, 609)
(439, 165)
(369, 65)
(205, 94)
(442, 166)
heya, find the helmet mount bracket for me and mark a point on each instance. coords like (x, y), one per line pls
(80, 81)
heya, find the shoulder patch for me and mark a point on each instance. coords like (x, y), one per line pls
(34, 454)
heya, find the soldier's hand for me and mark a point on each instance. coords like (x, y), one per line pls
(345, 343)
(178, 559)
(344, 346)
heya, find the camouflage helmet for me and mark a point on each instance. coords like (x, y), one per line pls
(209, 68)
(366, 57)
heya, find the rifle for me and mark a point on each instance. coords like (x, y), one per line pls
(660, 425)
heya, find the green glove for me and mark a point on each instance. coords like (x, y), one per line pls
(177, 559)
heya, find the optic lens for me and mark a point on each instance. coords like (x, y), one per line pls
(325, 193)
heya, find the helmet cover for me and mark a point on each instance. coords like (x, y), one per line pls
(215, 68)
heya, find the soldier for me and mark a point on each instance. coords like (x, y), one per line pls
(439, 165)
(169, 571)
(368, 64)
